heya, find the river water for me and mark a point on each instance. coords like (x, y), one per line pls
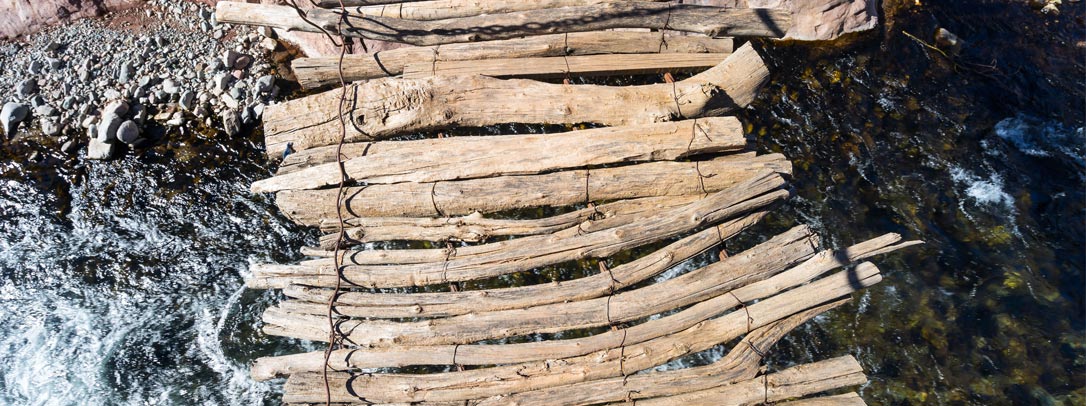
(120, 282)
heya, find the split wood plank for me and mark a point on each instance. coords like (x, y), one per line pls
(444, 9)
(503, 380)
(535, 251)
(711, 21)
(848, 399)
(458, 158)
(383, 108)
(482, 354)
(324, 71)
(558, 189)
(755, 264)
(575, 66)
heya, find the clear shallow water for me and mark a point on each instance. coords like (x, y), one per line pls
(120, 283)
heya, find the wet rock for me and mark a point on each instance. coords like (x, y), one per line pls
(100, 150)
(11, 115)
(178, 119)
(948, 41)
(128, 132)
(231, 122)
(70, 147)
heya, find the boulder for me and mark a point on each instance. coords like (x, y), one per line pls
(11, 115)
(128, 132)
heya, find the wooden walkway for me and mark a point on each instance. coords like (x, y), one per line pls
(666, 171)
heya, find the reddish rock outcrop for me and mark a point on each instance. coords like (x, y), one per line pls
(22, 17)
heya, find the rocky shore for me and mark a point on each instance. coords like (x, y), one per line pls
(95, 84)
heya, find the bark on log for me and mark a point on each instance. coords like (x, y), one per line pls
(459, 158)
(755, 264)
(383, 108)
(741, 363)
(316, 72)
(482, 383)
(490, 195)
(572, 66)
(538, 351)
(791, 383)
(711, 21)
(530, 252)
(476, 228)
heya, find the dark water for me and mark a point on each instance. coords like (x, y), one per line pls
(121, 281)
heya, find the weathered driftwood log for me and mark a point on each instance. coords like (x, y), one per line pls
(457, 158)
(317, 72)
(711, 21)
(848, 399)
(791, 383)
(407, 305)
(558, 189)
(502, 380)
(755, 264)
(538, 351)
(570, 66)
(741, 363)
(445, 9)
(386, 107)
(495, 259)
(476, 228)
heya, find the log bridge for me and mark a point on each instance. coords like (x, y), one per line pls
(436, 281)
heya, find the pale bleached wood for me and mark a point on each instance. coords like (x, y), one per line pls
(711, 21)
(406, 305)
(476, 228)
(383, 108)
(324, 71)
(445, 9)
(794, 382)
(571, 66)
(848, 399)
(398, 356)
(490, 260)
(502, 380)
(756, 264)
(458, 158)
(558, 189)
(742, 362)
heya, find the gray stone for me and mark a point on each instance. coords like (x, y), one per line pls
(178, 119)
(229, 101)
(115, 108)
(230, 58)
(231, 123)
(99, 150)
(27, 87)
(46, 111)
(54, 63)
(222, 82)
(188, 100)
(50, 127)
(126, 72)
(128, 132)
(171, 87)
(36, 67)
(112, 94)
(37, 101)
(70, 147)
(68, 103)
(11, 115)
(107, 129)
(265, 83)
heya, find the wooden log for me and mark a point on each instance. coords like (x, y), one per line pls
(480, 354)
(407, 305)
(742, 362)
(383, 108)
(502, 380)
(711, 21)
(316, 72)
(534, 251)
(558, 189)
(755, 264)
(476, 228)
(445, 9)
(794, 382)
(571, 66)
(458, 158)
(848, 399)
